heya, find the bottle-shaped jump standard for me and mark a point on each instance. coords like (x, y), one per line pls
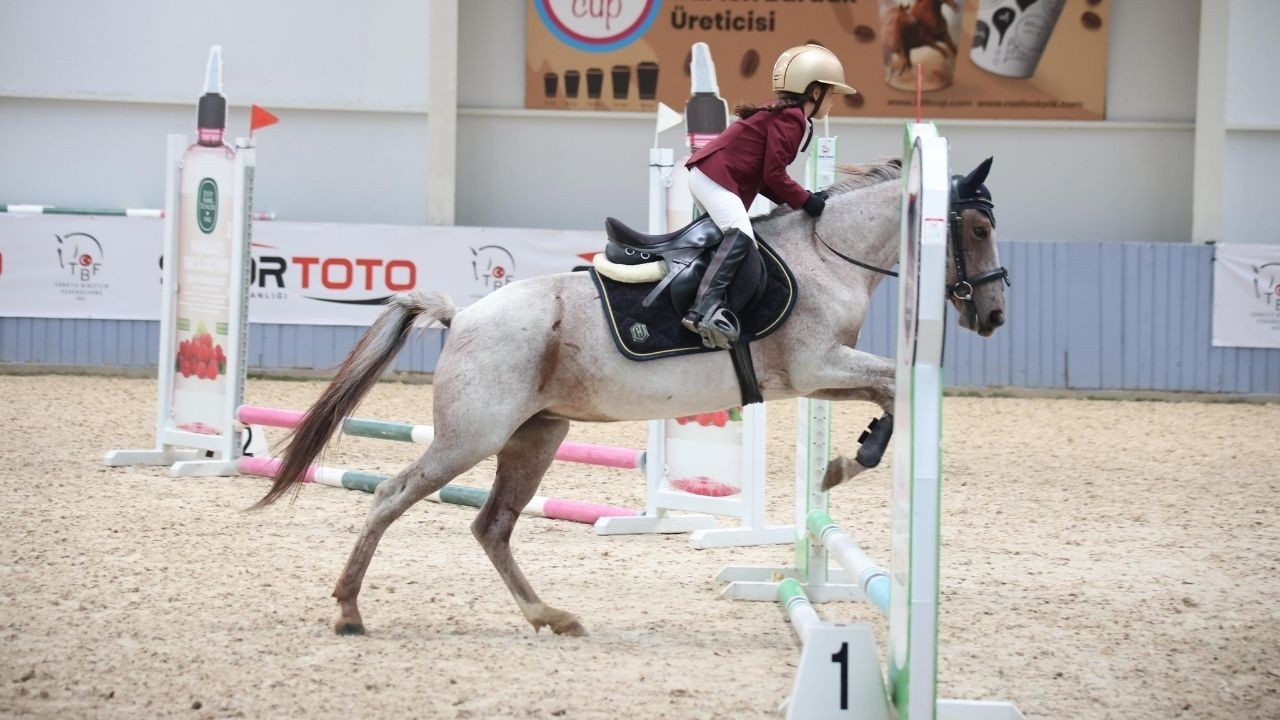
(206, 214)
(706, 114)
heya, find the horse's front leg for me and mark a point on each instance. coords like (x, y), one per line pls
(850, 374)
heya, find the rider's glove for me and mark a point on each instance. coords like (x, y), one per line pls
(814, 204)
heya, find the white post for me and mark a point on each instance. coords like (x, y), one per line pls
(1211, 122)
(442, 112)
(660, 162)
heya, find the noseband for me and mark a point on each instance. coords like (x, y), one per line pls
(980, 200)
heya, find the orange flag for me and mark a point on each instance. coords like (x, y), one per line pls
(259, 117)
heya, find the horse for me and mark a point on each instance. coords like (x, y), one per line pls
(521, 363)
(920, 25)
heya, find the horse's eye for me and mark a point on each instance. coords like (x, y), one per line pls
(980, 232)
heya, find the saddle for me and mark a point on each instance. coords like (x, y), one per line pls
(647, 282)
(683, 254)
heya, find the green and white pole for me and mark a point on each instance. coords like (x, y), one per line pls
(554, 508)
(107, 212)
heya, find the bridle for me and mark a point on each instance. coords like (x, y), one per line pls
(964, 286)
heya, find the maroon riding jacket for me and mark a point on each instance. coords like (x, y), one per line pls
(751, 157)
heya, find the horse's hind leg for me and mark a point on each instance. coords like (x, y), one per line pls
(521, 464)
(442, 462)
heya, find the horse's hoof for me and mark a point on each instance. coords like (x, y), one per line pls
(560, 622)
(348, 628)
(571, 628)
(838, 470)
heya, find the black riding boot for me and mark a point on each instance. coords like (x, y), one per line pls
(708, 316)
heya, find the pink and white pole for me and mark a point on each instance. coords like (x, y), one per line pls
(585, 453)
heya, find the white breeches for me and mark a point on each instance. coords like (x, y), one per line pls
(724, 207)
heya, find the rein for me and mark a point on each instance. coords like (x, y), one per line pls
(848, 259)
(963, 288)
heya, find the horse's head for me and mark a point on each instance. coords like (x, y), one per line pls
(975, 278)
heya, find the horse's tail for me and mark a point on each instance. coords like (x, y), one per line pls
(358, 373)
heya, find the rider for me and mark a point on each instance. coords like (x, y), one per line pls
(752, 157)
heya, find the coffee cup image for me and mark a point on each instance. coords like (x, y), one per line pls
(595, 82)
(571, 80)
(1010, 35)
(919, 32)
(647, 80)
(621, 76)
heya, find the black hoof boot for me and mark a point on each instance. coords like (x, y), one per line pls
(874, 441)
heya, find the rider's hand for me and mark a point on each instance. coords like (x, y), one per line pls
(814, 204)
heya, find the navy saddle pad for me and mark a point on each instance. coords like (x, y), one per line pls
(649, 333)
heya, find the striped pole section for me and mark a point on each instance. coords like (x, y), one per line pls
(553, 508)
(873, 578)
(585, 453)
(798, 608)
(115, 212)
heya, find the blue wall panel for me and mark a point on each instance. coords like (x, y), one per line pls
(1110, 320)
(134, 344)
(1079, 315)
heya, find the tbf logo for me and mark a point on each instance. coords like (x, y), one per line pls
(493, 265)
(80, 254)
(1266, 284)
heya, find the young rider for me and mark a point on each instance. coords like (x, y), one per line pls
(752, 157)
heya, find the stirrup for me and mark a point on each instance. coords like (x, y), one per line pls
(719, 330)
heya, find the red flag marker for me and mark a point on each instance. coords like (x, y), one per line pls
(258, 117)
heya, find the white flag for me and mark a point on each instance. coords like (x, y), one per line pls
(667, 118)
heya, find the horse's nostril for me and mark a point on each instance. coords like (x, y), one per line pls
(996, 318)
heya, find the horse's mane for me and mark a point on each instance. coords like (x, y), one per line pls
(855, 177)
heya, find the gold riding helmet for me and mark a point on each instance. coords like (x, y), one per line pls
(803, 64)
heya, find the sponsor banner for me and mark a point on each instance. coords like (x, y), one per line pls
(1003, 59)
(1246, 296)
(64, 266)
(303, 273)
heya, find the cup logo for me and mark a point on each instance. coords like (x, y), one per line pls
(597, 25)
(207, 205)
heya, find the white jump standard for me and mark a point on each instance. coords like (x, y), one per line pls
(839, 675)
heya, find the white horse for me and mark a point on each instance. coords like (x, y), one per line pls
(521, 363)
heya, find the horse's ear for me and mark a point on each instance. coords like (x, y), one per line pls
(979, 174)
